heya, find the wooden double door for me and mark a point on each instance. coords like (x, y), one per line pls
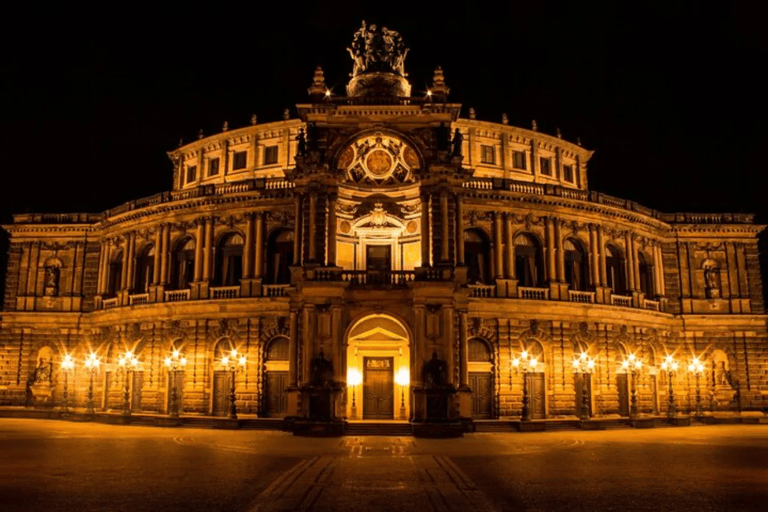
(221, 393)
(536, 392)
(275, 399)
(481, 384)
(378, 388)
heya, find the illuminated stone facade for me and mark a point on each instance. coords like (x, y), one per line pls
(372, 232)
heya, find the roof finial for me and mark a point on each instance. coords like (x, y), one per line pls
(286, 114)
(504, 119)
(534, 126)
(318, 88)
(578, 141)
(559, 133)
(181, 142)
(200, 134)
(254, 119)
(225, 127)
(472, 114)
(439, 90)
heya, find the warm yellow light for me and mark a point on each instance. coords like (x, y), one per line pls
(429, 93)
(625, 364)
(92, 362)
(533, 362)
(515, 362)
(524, 355)
(354, 377)
(575, 363)
(638, 364)
(241, 361)
(183, 361)
(403, 377)
(68, 363)
(583, 356)
(591, 363)
(327, 92)
(225, 360)
(233, 353)
(167, 361)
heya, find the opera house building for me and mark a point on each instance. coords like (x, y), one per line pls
(380, 255)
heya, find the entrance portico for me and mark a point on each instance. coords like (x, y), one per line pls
(378, 369)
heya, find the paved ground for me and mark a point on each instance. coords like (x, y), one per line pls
(60, 466)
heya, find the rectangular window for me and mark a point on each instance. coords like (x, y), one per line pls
(191, 173)
(238, 160)
(270, 155)
(487, 154)
(545, 164)
(568, 173)
(213, 167)
(518, 159)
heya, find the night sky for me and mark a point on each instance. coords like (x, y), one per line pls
(669, 95)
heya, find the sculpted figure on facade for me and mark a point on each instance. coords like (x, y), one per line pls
(375, 49)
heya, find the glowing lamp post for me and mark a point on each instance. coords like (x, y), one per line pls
(670, 366)
(584, 365)
(92, 364)
(66, 365)
(632, 365)
(526, 363)
(403, 379)
(354, 379)
(232, 362)
(128, 364)
(697, 369)
(176, 362)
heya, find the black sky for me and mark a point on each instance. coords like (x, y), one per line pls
(670, 95)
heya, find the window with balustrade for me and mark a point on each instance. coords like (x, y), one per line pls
(279, 257)
(182, 264)
(477, 256)
(645, 266)
(145, 265)
(615, 270)
(576, 265)
(229, 260)
(115, 274)
(529, 262)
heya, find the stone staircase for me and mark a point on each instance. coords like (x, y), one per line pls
(378, 428)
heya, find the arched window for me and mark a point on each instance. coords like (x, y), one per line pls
(278, 350)
(183, 264)
(529, 267)
(576, 266)
(145, 266)
(478, 351)
(614, 267)
(646, 275)
(279, 257)
(229, 260)
(115, 274)
(477, 254)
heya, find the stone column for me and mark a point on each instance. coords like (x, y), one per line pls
(307, 342)
(292, 352)
(550, 239)
(601, 246)
(131, 259)
(157, 262)
(594, 255)
(445, 231)
(338, 345)
(425, 234)
(331, 230)
(297, 257)
(248, 248)
(498, 245)
(658, 263)
(464, 346)
(510, 249)
(630, 261)
(459, 234)
(259, 260)
(124, 270)
(419, 345)
(560, 253)
(635, 263)
(208, 252)
(103, 255)
(199, 239)
(312, 231)
(165, 250)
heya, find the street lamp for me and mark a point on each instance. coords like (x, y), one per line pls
(633, 365)
(67, 364)
(403, 378)
(354, 379)
(584, 365)
(232, 362)
(175, 362)
(92, 363)
(127, 363)
(697, 369)
(525, 363)
(670, 366)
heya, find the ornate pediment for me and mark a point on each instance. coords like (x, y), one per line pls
(378, 159)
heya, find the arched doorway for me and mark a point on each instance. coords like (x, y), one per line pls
(378, 351)
(480, 367)
(276, 361)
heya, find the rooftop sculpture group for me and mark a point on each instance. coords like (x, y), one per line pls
(375, 49)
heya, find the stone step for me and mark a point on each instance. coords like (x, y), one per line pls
(378, 429)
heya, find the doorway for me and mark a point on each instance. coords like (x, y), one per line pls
(585, 382)
(536, 392)
(378, 389)
(220, 393)
(378, 258)
(622, 385)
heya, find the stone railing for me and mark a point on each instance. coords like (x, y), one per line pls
(621, 300)
(139, 298)
(582, 297)
(483, 291)
(225, 292)
(275, 290)
(533, 293)
(176, 295)
(110, 303)
(653, 305)
(378, 278)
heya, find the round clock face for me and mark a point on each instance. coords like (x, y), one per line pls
(378, 159)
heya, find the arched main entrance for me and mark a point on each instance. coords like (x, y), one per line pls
(378, 369)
